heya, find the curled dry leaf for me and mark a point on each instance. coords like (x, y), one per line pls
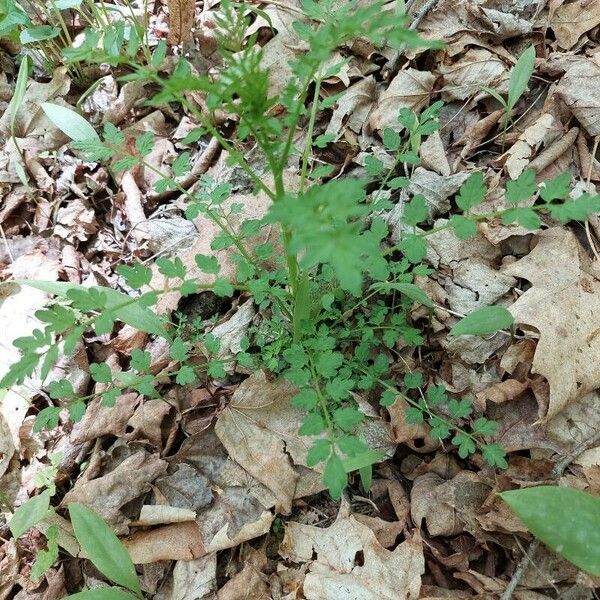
(334, 571)
(563, 304)
(178, 541)
(525, 148)
(466, 77)
(446, 506)
(181, 20)
(353, 107)
(106, 495)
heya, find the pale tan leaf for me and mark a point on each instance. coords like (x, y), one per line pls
(476, 69)
(580, 91)
(106, 495)
(524, 149)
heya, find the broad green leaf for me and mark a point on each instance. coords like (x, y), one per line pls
(360, 461)
(103, 547)
(334, 476)
(565, 519)
(483, 321)
(38, 33)
(123, 307)
(29, 514)
(520, 75)
(104, 593)
(69, 122)
(521, 188)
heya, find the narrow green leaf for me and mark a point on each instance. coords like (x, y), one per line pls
(483, 321)
(19, 93)
(103, 547)
(70, 122)
(104, 593)
(519, 76)
(29, 513)
(565, 519)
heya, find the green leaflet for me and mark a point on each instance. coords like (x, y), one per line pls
(105, 593)
(123, 307)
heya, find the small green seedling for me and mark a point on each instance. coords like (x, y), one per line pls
(520, 75)
(96, 539)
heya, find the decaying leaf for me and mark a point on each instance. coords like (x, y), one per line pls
(409, 89)
(563, 304)
(580, 91)
(106, 495)
(181, 20)
(571, 20)
(335, 572)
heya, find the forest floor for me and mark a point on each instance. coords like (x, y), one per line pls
(176, 477)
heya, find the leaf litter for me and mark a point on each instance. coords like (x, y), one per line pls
(209, 487)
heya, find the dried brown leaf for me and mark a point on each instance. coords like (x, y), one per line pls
(334, 572)
(181, 20)
(563, 304)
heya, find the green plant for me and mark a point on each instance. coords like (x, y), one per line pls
(43, 29)
(520, 75)
(565, 519)
(338, 300)
(97, 541)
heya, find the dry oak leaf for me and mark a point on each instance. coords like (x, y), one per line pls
(571, 21)
(580, 91)
(335, 573)
(259, 429)
(409, 89)
(563, 304)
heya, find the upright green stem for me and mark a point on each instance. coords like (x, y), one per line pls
(309, 134)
